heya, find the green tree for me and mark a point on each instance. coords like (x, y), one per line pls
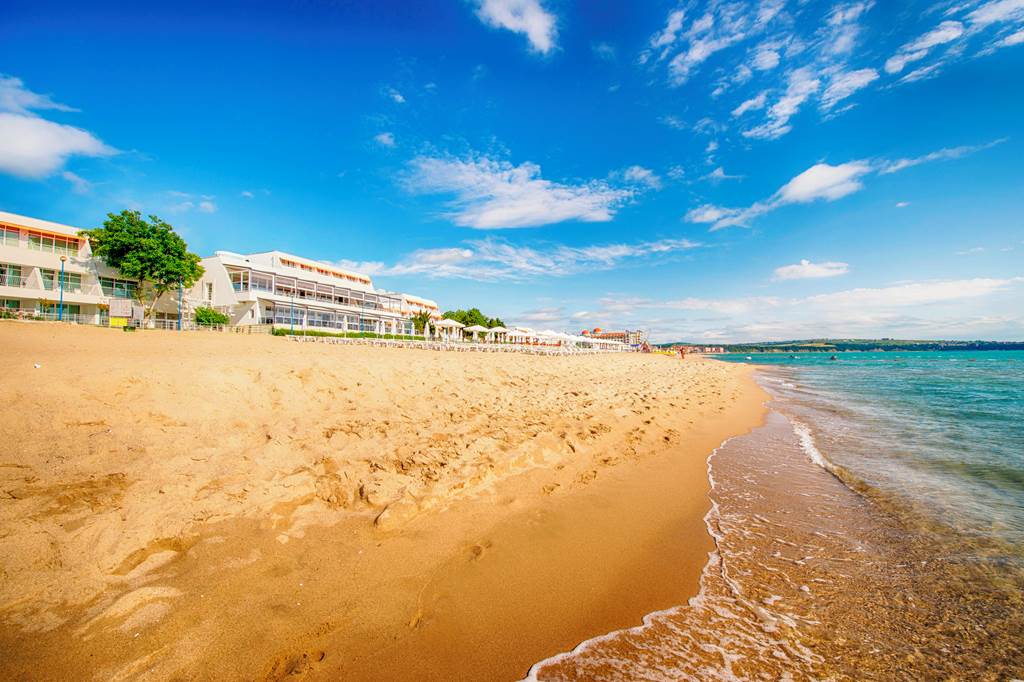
(150, 252)
(473, 316)
(420, 319)
(209, 317)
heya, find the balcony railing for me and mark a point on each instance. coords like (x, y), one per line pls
(12, 281)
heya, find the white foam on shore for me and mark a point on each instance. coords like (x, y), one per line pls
(714, 561)
(807, 444)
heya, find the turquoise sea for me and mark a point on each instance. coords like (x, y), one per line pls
(942, 432)
(871, 529)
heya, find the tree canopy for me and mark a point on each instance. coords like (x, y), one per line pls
(150, 252)
(473, 316)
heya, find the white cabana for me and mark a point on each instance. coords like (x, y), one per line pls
(450, 330)
(494, 332)
(475, 329)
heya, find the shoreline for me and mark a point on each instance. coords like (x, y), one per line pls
(543, 545)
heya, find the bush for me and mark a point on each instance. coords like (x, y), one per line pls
(208, 317)
(345, 335)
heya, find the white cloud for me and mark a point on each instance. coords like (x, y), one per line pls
(916, 50)
(492, 194)
(642, 176)
(207, 206)
(1012, 39)
(845, 83)
(719, 174)
(805, 269)
(819, 182)
(32, 147)
(822, 181)
(246, 194)
(79, 185)
(385, 139)
(673, 24)
(604, 51)
(997, 11)
(674, 122)
(943, 308)
(940, 155)
(765, 60)
(802, 84)
(914, 293)
(752, 104)
(17, 99)
(521, 16)
(971, 251)
(496, 260)
(395, 96)
(902, 204)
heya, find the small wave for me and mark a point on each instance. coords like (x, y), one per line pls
(803, 433)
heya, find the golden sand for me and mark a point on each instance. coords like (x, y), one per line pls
(211, 506)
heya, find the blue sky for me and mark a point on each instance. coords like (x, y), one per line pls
(720, 171)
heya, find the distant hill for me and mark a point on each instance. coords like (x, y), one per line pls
(839, 345)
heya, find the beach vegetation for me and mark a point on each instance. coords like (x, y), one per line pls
(420, 320)
(207, 317)
(149, 251)
(473, 316)
(280, 331)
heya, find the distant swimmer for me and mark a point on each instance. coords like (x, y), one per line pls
(833, 358)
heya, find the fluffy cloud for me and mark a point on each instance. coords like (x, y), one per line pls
(32, 147)
(521, 16)
(958, 308)
(805, 269)
(752, 104)
(385, 139)
(492, 194)
(820, 182)
(802, 83)
(16, 98)
(845, 83)
(496, 260)
(639, 175)
(79, 185)
(917, 49)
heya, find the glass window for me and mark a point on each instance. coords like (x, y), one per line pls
(11, 304)
(240, 280)
(117, 288)
(72, 282)
(49, 280)
(10, 275)
(9, 236)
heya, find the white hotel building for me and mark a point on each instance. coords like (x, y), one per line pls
(260, 288)
(286, 290)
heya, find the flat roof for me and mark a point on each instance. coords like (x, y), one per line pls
(37, 224)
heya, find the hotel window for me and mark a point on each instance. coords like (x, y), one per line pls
(262, 283)
(117, 288)
(209, 291)
(10, 275)
(49, 278)
(62, 246)
(240, 281)
(9, 236)
(72, 282)
(51, 309)
(10, 304)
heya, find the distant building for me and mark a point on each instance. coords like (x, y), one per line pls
(635, 338)
(703, 350)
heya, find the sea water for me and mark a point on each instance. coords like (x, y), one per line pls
(873, 528)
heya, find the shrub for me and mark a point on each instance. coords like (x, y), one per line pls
(208, 317)
(278, 331)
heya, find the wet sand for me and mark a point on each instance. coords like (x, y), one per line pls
(232, 507)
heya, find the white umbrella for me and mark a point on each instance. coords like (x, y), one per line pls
(494, 331)
(476, 329)
(449, 326)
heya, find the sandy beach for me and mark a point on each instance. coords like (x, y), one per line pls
(218, 506)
